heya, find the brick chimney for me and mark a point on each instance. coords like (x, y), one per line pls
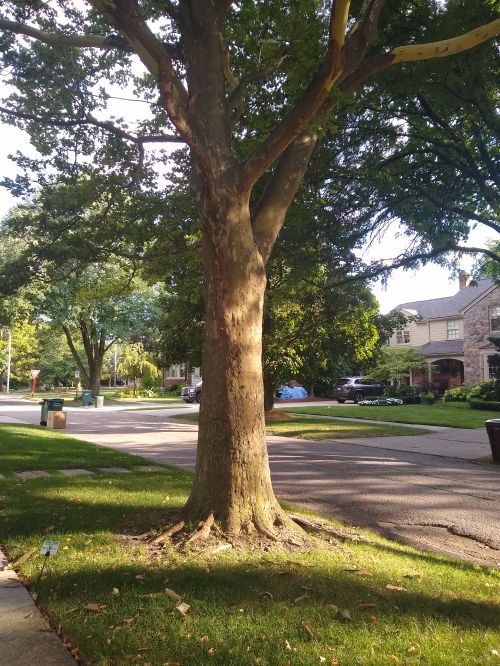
(463, 277)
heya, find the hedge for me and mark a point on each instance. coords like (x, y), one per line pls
(477, 403)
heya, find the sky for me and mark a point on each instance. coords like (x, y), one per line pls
(432, 281)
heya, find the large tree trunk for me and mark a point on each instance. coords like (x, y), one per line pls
(232, 477)
(95, 376)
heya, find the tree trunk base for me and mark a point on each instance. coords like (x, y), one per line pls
(284, 533)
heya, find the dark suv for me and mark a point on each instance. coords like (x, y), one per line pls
(356, 388)
(192, 393)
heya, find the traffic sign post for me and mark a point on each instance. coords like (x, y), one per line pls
(34, 375)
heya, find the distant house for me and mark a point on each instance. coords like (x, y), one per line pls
(452, 333)
(177, 374)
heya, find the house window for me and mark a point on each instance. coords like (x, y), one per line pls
(495, 318)
(403, 337)
(493, 371)
(452, 329)
(175, 372)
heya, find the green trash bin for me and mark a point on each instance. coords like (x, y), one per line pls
(50, 405)
(98, 401)
(86, 397)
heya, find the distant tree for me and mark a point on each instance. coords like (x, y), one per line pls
(25, 352)
(395, 364)
(135, 362)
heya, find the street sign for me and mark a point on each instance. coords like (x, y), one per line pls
(34, 373)
(77, 374)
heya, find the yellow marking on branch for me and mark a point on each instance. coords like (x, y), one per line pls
(339, 21)
(446, 47)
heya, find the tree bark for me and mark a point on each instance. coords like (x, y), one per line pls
(232, 477)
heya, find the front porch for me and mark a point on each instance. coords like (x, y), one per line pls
(439, 374)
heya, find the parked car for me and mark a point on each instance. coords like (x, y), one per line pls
(356, 388)
(192, 393)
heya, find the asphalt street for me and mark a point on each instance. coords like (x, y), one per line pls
(393, 485)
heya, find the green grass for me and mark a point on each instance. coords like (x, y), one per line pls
(54, 451)
(451, 414)
(315, 428)
(243, 604)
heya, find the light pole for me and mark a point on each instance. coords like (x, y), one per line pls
(114, 365)
(9, 350)
(9, 354)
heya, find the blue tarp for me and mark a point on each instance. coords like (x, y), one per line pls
(293, 392)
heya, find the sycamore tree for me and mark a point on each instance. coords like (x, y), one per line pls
(250, 89)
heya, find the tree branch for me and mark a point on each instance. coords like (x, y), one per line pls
(59, 39)
(446, 47)
(376, 269)
(123, 15)
(362, 35)
(90, 120)
(271, 209)
(236, 97)
(75, 354)
(307, 108)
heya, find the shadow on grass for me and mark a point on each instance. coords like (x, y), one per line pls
(245, 603)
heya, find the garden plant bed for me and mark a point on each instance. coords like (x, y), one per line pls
(114, 597)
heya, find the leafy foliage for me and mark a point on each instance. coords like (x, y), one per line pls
(395, 363)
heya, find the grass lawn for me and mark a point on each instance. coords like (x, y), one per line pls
(107, 591)
(109, 397)
(452, 414)
(314, 428)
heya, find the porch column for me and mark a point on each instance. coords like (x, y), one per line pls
(429, 373)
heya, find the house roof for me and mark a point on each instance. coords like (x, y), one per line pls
(443, 348)
(450, 306)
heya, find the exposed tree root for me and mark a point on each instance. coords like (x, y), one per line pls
(168, 534)
(285, 532)
(318, 527)
(203, 530)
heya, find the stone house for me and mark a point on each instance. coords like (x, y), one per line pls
(452, 333)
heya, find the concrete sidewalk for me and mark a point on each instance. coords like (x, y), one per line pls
(25, 636)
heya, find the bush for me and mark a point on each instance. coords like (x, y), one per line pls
(478, 403)
(125, 393)
(175, 389)
(408, 394)
(489, 390)
(458, 394)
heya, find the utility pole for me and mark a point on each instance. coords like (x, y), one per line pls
(9, 351)
(114, 366)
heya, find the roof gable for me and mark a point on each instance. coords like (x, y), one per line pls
(449, 306)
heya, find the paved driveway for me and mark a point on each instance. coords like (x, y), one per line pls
(443, 503)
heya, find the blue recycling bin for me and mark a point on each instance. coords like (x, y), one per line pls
(86, 397)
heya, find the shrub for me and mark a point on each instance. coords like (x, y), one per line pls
(489, 390)
(410, 395)
(458, 394)
(175, 389)
(478, 403)
(125, 393)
